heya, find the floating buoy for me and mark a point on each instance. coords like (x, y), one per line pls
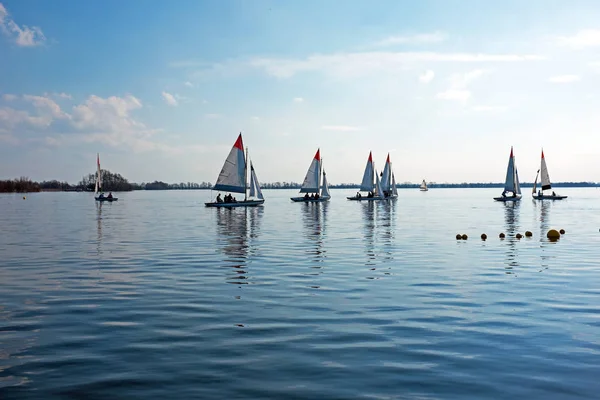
(518, 236)
(553, 234)
(483, 236)
(562, 231)
(458, 236)
(464, 236)
(23, 197)
(528, 234)
(501, 235)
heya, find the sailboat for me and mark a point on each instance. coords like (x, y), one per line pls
(546, 185)
(234, 178)
(386, 180)
(423, 187)
(511, 183)
(312, 182)
(98, 186)
(370, 183)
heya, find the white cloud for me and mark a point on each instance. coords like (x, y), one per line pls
(46, 105)
(489, 108)
(298, 100)
(357, 64)
(581, 40)
(564, 79)
(9, 97)
(63, 95)
(454, 94)
(427, 76)
(169, 99)
(9, 117)
(422, 38)
(341, 128)
(22, 35)
(189, 84)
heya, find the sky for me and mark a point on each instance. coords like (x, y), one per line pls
(162, 89)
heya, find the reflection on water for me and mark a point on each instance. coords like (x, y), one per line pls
(368, 212)
(314, 217)
(99, 227)
(237, 229)
(544, 218)
(512, 226)
(386, 219)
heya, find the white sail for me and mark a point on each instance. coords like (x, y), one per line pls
(509, 182)
(367, 181)
(232, 177)
(378, 190)
(545, 180)
(517, 189)
(535, 182)
(386, 175)
(254, 185)
(394, 188)
(98, 187)
(325, 187)
(311, 180)
(423, 185)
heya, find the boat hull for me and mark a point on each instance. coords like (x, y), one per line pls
(424, 190)
(507, 199)
(301, 199)
(106, 199)
(246, 203)
(365, 198)
(536, 197)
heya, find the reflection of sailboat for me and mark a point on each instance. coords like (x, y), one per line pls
(315, 218)
(511, 183)
(239, 228)
(313, 183)
(545, 183)
(386, 220)
(511, 219)
(423, 187)
(99, 226)
(370, 183)
(368, 211)
(234, 178)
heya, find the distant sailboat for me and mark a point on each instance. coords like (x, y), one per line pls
(370, 183)
(511, 183)
(312, 182)
(234, 178)
(545, 182)
(423, 187)
(387, 186)
(98, 186)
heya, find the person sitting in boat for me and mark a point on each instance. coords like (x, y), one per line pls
(234, 200)
(370, 194)
(504, 193)
(358, 195)
(101, 196)
(316, 196)
(109, 195)
(306, 196)
(219, 199)
(539, 192)
(228, 198)
(553, 194)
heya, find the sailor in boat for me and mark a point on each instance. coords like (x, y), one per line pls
(358, 195)
(553, 194)
(370, 194)
(316, 196)
(219, 199)
(110, 195)
(306, 196)
(101, 196)
(504, 193)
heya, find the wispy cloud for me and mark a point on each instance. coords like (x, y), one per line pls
(489, 108)
(298, 100)
(421, 38)
(10, 97)
(427, 76)
(458, 86)
(341, 128)
(169, 99)
(564, 79)
(357, 64)
(581, 40)
(189, 84)
(454, 94)
(21, 35)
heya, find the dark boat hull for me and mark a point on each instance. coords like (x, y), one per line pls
(536, 197)
(247, 203)
(507, 198)
(106, 199)
(301, 199)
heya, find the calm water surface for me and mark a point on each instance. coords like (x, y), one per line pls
(156, 296)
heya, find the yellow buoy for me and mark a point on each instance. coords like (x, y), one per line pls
(553, 234)
(483, 236)
(23, 197)
(464, 236)
(518, 236)
(562, 231)
(528, 234)
(458, 236)
(501, 235)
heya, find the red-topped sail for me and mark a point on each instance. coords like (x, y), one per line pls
(388, 158)
(238, 143)
(318, 155)
(542, 153)
(511, 150)
(370, 157)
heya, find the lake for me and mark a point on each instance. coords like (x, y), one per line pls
(156, 296)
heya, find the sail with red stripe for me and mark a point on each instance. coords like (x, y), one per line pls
(232, 177)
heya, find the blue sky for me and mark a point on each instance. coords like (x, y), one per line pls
(161, 90)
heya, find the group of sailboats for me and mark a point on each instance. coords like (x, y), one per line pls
(513, 187)
(375, 188)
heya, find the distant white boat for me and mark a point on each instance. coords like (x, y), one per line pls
(370, 183)
(312, 183)
(511, 183)
(423, 187)
(545, 182)
(388, 185)
(98, 185)
(234, 178)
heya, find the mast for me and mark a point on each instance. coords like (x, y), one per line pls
(246, 175)
(320, 173)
